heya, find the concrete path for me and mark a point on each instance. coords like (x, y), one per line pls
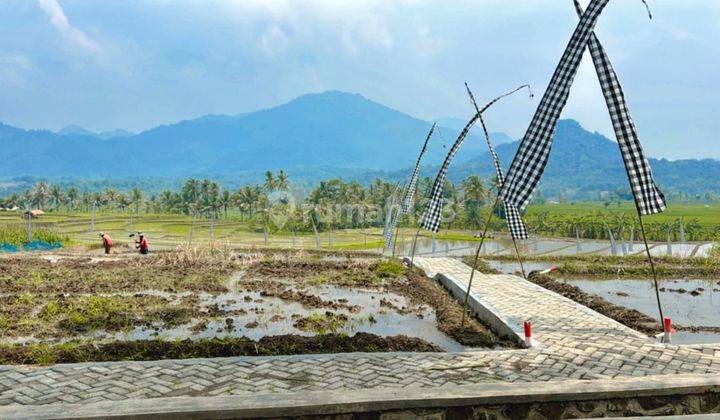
(573, 343)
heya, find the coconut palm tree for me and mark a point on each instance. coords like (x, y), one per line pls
(72, 196)
(282, 182)
(56, 196)
(41, 194)
(270, 182)
(123, 202)
(224, 201)
(136, 197)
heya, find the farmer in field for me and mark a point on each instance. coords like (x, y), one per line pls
(107, 242)
(142, 243)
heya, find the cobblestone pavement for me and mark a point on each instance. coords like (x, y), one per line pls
(575, 342)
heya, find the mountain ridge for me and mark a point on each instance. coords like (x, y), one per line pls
(329, 134)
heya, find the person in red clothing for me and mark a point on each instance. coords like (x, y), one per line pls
(107, 242)
(142, 243)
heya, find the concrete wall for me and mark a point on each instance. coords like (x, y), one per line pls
(657, 395)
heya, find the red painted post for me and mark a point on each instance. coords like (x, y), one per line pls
(528, 333)
(668, 330)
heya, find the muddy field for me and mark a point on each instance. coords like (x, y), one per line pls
(608, 285)
(191, 304)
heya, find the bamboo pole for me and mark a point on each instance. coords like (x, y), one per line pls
(652, 268)
(477, 257)
(487, 136)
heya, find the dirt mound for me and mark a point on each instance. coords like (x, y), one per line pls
(420, 288)
(216, 347)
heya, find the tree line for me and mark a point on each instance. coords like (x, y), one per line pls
(277, 205)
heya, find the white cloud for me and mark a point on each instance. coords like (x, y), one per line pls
(14, 69)
(60, 21)
(274, 40)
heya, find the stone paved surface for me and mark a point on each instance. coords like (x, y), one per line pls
(575, 343)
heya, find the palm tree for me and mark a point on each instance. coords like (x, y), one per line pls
(56, 196)
(190, 191)
(72, 196)
(123, 202)
(474, 189)
(167, 200)
(282, 183)
(111, 195)
(41, 194)
(224, 201)
(136, 198)
(270, 182)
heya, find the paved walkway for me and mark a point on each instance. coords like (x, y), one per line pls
(575, 342)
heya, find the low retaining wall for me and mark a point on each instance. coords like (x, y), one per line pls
(657, 395)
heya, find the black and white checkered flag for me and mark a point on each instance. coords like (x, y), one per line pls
(409, 192)
(516, 226)
(529, 163)
(515, 223)
(430, 219)
(648, 197)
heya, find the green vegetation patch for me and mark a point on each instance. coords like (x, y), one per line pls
(79, 351)
(22, 275)
(17, 235)
(632, 266)
(42, 316)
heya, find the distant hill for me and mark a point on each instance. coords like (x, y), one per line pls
(329, 130)
(457, 124)
(104, 135)
(314, 137)
(75, 129)
(582, 165)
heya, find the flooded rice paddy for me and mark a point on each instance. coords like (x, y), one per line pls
(688, 302)
(254, 315)
(544, 246)
(356, 303)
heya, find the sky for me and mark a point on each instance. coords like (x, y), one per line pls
(136, 64)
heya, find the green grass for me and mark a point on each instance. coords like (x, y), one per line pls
(169, 230)
(356, 246)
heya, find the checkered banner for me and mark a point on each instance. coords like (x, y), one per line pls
(430, 219)
(529, 163)
(409, 192)
(648, 198)
(515, 223)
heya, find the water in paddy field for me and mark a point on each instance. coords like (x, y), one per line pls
(541, 246)
(256, 316)
(687, 309)
(513, 267)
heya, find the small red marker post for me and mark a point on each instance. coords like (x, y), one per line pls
(549, 270)
(528, 333)
(667, 336)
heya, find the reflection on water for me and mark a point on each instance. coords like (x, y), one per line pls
(511, 267)
(539, 246)
(268, 316)
(701, 308)
(252, 314)
(687, 337)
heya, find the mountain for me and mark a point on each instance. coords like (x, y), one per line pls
(114, 134)
(332, 129)
(584, 165)
(75, 129)
(321, 136)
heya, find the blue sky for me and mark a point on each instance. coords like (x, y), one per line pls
(136, 64)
